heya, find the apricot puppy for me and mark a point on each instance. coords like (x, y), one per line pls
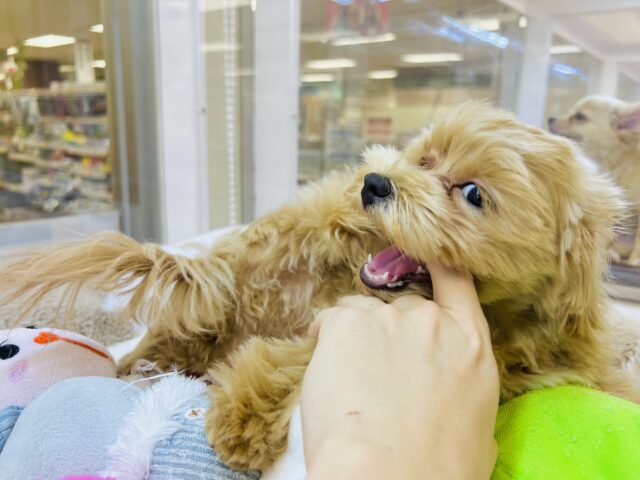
(481, 192)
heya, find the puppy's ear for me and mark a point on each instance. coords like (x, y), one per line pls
(588, 221)
(627, 122)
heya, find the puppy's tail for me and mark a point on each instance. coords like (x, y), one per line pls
(188, 295)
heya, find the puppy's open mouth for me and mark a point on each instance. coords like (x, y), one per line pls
(392, 269)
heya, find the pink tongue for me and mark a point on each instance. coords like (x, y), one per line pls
(393, 261)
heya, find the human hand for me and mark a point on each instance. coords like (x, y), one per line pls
(402, 390)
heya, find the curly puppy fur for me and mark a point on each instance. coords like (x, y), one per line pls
(536, 249)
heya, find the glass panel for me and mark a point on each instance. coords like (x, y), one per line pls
(572, 74)
(228, 41)
(628, 89)
(378, 72)
(54, 138)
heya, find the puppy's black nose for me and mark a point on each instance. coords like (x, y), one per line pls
(376, 188)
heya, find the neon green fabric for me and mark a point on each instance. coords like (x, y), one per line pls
(568, 433)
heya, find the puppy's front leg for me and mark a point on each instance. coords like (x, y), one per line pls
(194, 354)
(253, 398)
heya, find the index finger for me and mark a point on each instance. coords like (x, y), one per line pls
(455, 291)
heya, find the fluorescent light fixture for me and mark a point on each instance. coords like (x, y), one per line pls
(523, 22)
(12, 50)
(66, 68)
(382, 74)
(49, 41)
(220, 47)
(314, 37)
(563, 49)
(361, 40)
(331, 63)
(318, 77)
(431, 57)
(563, 69)
(99, 28)
(213, 5)
(487, 24)
(99, 64)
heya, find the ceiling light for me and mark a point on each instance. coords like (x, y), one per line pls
(331, 63)
(523, 22)
(220, 47)
(99, 28)
(361, 40)
(213, 5)
(431, 57)
(318, 77)
(562, 49)
(12, 50)
(99, 64)
(49, 41)
(382, 74)
(66, 68)
(487, 24)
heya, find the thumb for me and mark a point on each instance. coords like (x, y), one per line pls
(454, 290)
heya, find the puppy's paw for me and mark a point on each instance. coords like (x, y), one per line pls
(252, 401)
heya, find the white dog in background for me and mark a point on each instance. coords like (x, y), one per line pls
(609, 131)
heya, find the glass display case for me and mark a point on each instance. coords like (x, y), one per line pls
(573, 74)
(380, 72)
(56, 162)
(628, 89)
(55, 152)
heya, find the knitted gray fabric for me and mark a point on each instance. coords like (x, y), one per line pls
(187, 455)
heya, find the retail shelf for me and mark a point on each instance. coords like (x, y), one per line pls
(12, 187)
(98, 120)
(52, 92)
(39, 162)
(80, 151)
(85, 152)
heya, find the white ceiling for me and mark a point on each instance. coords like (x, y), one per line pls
(608, 29)
(22, 19)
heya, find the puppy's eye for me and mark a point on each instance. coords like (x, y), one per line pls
(580, 117)
(472, 194)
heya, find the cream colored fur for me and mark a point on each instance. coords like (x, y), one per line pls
(537, 251)
(609, 133)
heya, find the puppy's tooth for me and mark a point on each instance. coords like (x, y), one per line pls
(370, 258)
(385, 276)
(420, 269)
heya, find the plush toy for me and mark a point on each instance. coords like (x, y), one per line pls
(63, 414)
(33, 359)
(116, 430)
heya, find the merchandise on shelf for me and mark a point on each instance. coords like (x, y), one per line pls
(54, 152)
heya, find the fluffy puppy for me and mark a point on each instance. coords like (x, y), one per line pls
(609, 131)
(481, 192)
